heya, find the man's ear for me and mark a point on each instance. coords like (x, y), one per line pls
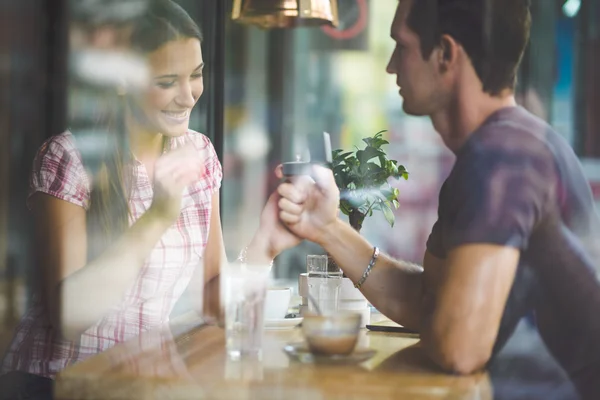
(448, 52)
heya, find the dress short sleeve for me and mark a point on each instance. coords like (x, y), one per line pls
(58, 171)
(214, 170)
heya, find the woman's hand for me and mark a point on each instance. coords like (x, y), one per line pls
(277, 236)
(272, 236)
(309, 208)
(173, 172)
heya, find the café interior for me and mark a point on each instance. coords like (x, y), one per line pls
(280, 76)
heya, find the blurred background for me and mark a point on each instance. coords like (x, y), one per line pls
(266, 90)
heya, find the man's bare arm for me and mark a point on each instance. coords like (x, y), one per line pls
(463, 315)
(396, 288)
(455, 304)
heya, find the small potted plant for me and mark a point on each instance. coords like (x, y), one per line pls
(363, 179)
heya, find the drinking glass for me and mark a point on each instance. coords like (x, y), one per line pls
(324, 282)
(243, 291)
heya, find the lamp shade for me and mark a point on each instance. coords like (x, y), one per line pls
(270, 14)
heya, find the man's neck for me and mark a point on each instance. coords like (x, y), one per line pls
(466, 113)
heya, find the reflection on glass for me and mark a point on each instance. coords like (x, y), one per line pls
(243, 291)
(324, 283)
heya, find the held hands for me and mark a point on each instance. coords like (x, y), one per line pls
(301, 208)
(309, 207)
(173, 172)
(273, 236)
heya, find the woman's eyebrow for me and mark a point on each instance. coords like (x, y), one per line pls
(175, 75)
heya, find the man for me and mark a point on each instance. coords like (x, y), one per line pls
(516, 225)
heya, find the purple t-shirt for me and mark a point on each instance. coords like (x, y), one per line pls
(518, 183)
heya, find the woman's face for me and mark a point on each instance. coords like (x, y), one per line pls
(175, 86)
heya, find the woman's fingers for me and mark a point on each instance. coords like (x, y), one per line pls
(182, 165)
(185, 178)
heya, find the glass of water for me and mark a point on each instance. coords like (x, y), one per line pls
(324, 283)
(243, 292)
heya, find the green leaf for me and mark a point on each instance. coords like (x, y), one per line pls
(345, 207)
(368, 154)
(363, 177)
(390, 193)
(388, 214)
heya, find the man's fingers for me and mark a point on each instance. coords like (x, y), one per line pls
(290, 207)
(279, 171)
(323, 178)
(292, 193)
(288, 218)
(303, 182)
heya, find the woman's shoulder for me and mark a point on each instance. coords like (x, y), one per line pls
(58, 171)
(199, 139)
(59, 144)
(211, 160)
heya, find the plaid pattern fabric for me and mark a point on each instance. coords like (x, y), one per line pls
(58, 171)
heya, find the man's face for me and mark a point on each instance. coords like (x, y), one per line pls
(418, 79)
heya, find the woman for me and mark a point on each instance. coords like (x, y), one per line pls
(122, 230)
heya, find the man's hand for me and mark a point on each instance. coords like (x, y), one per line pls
(309, 207)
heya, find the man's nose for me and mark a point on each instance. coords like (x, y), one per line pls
(390, 68)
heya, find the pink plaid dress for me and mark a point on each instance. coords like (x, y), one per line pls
(58, 171)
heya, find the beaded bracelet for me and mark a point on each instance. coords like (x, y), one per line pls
(369, 268)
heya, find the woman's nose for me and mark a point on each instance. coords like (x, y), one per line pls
(186, 96)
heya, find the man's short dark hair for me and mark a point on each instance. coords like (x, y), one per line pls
(494, 33)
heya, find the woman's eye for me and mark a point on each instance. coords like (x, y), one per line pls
(196, 76)
(165, 85)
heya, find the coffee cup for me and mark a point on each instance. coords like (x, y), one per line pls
(277, 302)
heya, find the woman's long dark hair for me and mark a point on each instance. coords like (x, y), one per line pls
(109, 161)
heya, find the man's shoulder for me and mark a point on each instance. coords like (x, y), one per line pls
(511, 136)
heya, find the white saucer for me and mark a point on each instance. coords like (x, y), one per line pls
(282, 323)
(300, 352)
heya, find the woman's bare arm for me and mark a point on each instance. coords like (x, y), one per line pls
(79, 293)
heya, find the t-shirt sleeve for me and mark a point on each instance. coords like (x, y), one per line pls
(435, 244)
(498, 198)
(59, 172)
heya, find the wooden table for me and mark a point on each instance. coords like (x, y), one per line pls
(188, 361)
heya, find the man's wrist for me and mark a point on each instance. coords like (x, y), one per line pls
(329, 233)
